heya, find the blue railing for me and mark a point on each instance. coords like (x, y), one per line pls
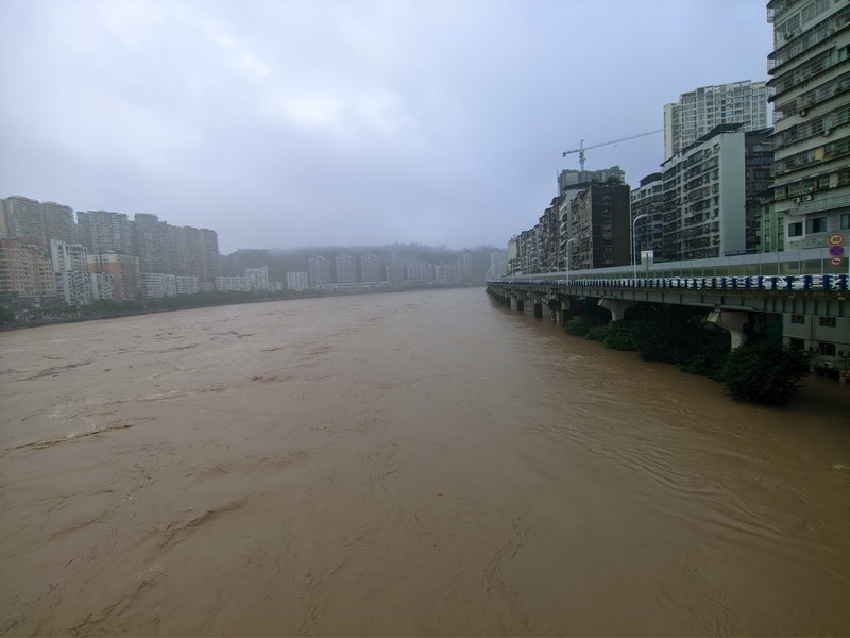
(747, 282)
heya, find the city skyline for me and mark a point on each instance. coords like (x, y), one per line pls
(239, 121)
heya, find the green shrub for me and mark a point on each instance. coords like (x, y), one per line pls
(620, 336)
(597, 333)
(577, 327)
(764, 374)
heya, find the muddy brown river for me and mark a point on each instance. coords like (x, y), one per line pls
(419, 463)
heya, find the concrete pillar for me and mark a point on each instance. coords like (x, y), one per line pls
(537, 310)
(561, 316)
(732, 322)
(565, 308)
(616, 307)
(519, 304)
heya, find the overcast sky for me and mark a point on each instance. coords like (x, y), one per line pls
(284, 123)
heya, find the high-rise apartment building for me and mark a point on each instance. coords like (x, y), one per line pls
(125, 272)
(70, 267)
(395, 272)
(103, 232)
(810, 87)
(151, 244)
(297, 279)
(156, 285)
(319, 271)
(370, 267)
(600, 224)
(346, 269)
(498, 264)
(419, 272)
(571, 177)
(259, 278)
(192, 252)
(647, 200)
(699, 111)
(58, 223)
(24, 220)
(705, 190)
(465, 265)
(25, 269)
(758, 158)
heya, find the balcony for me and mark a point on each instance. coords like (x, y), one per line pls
(817, 204)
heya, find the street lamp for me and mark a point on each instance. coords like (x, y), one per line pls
(567, 264)
(634, 252)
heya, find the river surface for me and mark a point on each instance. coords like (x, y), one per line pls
(418, 463)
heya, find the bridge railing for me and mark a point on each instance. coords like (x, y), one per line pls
(823, 281)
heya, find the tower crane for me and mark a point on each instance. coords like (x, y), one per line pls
(582, 148)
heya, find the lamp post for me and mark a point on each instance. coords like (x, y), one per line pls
(634, 252)
(567, 264)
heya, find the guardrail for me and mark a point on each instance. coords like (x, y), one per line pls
(748, 282)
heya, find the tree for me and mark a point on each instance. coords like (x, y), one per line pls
(7, 316)
(764, 374)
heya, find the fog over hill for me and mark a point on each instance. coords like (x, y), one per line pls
(281, 261)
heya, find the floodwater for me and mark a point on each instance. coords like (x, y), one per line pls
(419, 463)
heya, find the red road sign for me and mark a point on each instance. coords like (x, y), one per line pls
(836, 261)
(836, 239)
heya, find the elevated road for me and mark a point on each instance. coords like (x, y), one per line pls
(822, 295)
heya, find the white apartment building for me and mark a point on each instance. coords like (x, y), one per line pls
(237, 282)
(251, 279)
(186, 284)
(704, 194)
(70, 267)
(297, 280)
(419, 272)
(395, 272)
(102, 286)
(346, 269)
(699, 111)
(370, 267)
(259, 278)
(319, 269)
(156, 285)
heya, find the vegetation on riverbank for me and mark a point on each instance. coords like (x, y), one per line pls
(761, 371)
(108, 308)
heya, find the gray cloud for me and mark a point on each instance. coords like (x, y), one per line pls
(294, 123)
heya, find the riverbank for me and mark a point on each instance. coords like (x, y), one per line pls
(109, 309)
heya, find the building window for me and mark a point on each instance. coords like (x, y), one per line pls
(816, 225)
(797, 344)
(829, 322)
(845, 221)
(826, 349)
(795, 229)
(798, 319)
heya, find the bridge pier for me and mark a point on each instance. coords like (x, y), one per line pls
(519, 304)
(566, 309)
(732, 322)
(616, 307)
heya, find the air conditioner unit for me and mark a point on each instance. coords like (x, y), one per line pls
(808, 198)
(826, 132)
(797, 200)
